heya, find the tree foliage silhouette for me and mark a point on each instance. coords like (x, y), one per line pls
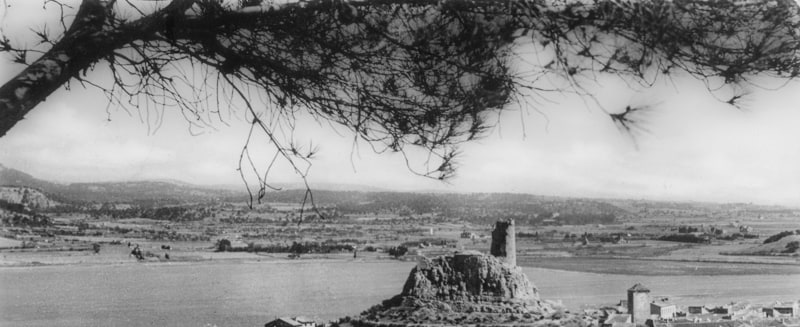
(398, 73)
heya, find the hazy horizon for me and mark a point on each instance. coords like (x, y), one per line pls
(367, 188)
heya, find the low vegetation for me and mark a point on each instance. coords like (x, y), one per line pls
(225, 245)
(397, 251)
(777, 237)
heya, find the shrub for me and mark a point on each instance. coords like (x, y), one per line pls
(686, 238)
(223, 245)
(780, 235)
(792, 247)
(398, 251)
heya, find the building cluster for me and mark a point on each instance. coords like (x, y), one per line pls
(469, 235)
(291, 322)
(640, 310)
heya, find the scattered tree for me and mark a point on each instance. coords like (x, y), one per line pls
(792, 247)
(223, 245)
(398, 251)
(397, 73)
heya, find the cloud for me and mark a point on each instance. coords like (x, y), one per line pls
(694, 147)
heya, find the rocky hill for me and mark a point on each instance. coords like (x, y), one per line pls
(30, 199)
(19, 206)
(467, 288)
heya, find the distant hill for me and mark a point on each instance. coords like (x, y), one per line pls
(355, 199)
(314, 186)
(157, 191)
(651, 208)
(13, 177)
(473, 207)
(346, 198)
(138, 191)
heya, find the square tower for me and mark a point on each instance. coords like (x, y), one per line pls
(639, 303)
(503, 242)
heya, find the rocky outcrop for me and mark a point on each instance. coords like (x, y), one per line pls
(469, 276)
(470, 288)
(467, 288)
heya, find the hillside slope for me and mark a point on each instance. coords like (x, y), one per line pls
(779, 247)
(138, 191)
(30, 198)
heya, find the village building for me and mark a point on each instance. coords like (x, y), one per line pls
(618, 320)
(291, 322)
(469, 235)
(663, 311)
(305, 322)
(696, 309)
(782, 310)
(742, 311)
(722, 323)
(283, 322)
(721, 310)
(639, 303)
(549, 222)
(699, 318)
(618, 238)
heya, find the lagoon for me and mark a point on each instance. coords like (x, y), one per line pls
(246, 293)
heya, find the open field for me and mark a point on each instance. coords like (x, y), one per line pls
(186, 252)
(9, 243)
(622, 237)
(632, 258)
(658, 267)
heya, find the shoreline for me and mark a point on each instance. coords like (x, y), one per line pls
(193, 257)
(650, 266)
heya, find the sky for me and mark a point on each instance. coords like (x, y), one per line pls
(695, 148)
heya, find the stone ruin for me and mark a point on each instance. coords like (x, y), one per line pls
(466, 288)
(504, 242)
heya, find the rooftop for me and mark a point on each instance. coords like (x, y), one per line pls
(722, 323)
(289, 321)
(303, 320)
(618, 318)
(638, 288)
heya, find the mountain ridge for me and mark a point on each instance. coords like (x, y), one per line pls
(156, 191)
(171, 191)
(162, 190)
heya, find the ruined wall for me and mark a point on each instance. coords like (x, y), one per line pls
(504, 242)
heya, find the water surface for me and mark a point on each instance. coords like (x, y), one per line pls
(253, 293)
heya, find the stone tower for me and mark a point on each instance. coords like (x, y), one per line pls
(639, 303)
(503, 242)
